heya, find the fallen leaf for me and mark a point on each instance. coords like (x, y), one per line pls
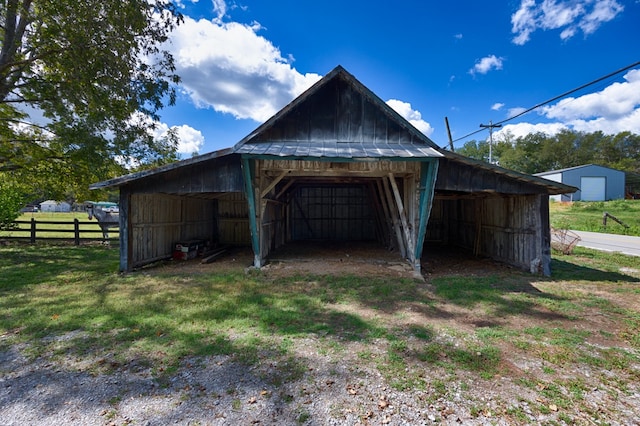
(252, 400)
(383, 403)
(553, 407)
(264, 392)
(447, 412)
(55, 316)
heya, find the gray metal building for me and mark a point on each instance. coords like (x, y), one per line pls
(337, 164)
(594, 183)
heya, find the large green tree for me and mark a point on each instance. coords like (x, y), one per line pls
(81, 85)
(539, 152)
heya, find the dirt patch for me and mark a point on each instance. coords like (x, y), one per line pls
(362, 259)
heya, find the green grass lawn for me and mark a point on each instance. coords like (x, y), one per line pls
(588, 216)
(70, 302)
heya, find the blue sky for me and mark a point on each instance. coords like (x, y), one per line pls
(242, 61)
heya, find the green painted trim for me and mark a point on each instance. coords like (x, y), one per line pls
(247, 172)
(428, 175)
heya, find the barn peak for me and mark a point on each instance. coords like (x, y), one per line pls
(338, 117)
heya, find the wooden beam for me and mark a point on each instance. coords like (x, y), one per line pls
(251, 200)
(394, 217)
(284, 188)
(126, 231)
(403, 218)
(385, 208)
(274, 183)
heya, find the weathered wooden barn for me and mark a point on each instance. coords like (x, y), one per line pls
(336, 164)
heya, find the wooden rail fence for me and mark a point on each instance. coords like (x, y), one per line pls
(76, 229)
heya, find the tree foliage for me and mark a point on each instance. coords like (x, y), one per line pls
(539, 152)
(81, 85)
(13, 197)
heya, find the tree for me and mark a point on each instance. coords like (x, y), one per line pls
(539, 152)
(478, 150)
(96, 74)
(12, 199)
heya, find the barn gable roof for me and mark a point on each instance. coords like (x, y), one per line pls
(338, 117)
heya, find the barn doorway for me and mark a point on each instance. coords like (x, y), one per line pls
(332, 213)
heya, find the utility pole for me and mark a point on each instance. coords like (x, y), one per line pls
(446, 122)
(490, 126)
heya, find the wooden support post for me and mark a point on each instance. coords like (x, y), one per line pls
(126, 231)
(76, 231)
(247, 172)
(428, 176)
(385, 209)
(403, 218)
(394, 218)
(33, 231)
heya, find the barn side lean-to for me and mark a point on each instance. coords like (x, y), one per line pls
(336, 164)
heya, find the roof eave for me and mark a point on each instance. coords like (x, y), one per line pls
(125, 179)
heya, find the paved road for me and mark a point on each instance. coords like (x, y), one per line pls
(610, 242)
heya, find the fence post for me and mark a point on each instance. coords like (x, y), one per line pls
(33, 230)
(76, 231)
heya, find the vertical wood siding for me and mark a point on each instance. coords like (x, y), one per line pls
(157, 222)
(506, 228)
(233, 219)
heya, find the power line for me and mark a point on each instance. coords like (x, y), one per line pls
(635, 64)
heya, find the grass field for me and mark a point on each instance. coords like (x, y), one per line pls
(588, 216)
(548, 342)
(64, 229)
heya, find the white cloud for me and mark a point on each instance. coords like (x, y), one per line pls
(613, 110)
(523, 21)
(512, 112)
(232, 69)
(190, 139)
(497, 106)
(486, 64)
(523, 129)
(412, 116)
(570, 16)
(458, 36)
(613, 102)
(220, 7)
